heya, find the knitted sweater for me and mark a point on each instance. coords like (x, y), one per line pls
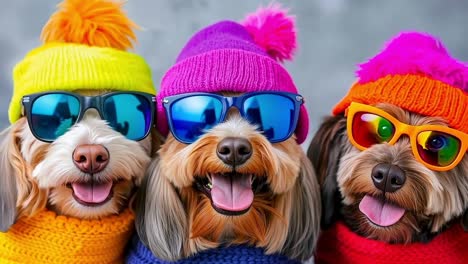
(139, 254)
(340, 245)
(48, 238)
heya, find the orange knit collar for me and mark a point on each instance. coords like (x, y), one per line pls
(48, 238)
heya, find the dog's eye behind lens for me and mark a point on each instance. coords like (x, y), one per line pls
(129, 114)
(369, 129)
(273, 114)
(53, 114)
(191, 116)
(438, 148)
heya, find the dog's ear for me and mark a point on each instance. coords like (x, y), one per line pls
(8, 191)
(19, 193)
(325, 152)
(161, 221)
(304, 221)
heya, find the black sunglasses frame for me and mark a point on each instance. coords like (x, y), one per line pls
(236, 102)
(86, 102)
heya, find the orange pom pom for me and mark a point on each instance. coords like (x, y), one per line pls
(99, 23)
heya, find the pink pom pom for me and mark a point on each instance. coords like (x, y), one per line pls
(416, 40)
(274, 30)
(415, 53)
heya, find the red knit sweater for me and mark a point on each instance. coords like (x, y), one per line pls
(340, 245)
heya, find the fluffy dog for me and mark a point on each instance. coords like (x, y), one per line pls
(224, 176)
(91, 155)
(37, 174)
(79, 143)
(431, 199)
(392, 161)
(177, 214)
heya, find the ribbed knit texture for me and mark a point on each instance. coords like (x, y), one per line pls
(139, 254)
(340, 245)
(223, 57)
(69, 67)
(415, 93)
(48, 238)
(415, 72)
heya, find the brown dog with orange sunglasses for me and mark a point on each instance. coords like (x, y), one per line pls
(392, 160)
(434, 144)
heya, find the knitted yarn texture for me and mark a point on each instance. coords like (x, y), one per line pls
(340, 245)
(139, 254)
(49, 238)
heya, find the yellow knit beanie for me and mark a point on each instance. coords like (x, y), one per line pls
(85, 45)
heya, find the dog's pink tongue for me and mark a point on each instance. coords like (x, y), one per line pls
(92, 192)
(232, 193)
(380, 212)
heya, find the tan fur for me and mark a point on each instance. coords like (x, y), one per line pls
(202, 160)
(30, 197)
(266, 224)
(432, 199)
(201, 157)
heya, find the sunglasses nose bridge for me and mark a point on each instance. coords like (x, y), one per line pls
(232, 110)
(232, 104)
(90, 102)
(404, 129)
(91, 105)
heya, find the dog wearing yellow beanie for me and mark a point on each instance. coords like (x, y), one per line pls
(80, 139)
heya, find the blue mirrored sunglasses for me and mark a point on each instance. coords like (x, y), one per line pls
(51, 114)
(275, 114)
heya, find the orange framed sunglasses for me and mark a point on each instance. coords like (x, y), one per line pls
(439, 148)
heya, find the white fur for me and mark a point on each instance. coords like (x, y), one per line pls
(128, 160)
(235, 126)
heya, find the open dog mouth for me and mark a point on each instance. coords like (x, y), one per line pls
(92, 193)
(230, 193)
(381, 211)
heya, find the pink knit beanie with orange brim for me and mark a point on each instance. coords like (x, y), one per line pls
(232, 57)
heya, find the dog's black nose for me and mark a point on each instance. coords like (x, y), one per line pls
(234, 151)
(91, 158)
(388, 177)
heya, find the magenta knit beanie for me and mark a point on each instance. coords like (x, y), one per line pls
(232, 57)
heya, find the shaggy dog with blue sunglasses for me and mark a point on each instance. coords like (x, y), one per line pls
(232, 171)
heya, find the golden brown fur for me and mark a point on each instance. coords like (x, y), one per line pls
(432, 199)
(175, 220)
(35, 174)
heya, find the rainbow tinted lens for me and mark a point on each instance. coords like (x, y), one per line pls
(53, 114)
(438, 148)
(370, 129)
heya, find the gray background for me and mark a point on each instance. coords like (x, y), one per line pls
(334, 35)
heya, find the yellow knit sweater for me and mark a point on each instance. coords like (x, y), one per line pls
(48, 238)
